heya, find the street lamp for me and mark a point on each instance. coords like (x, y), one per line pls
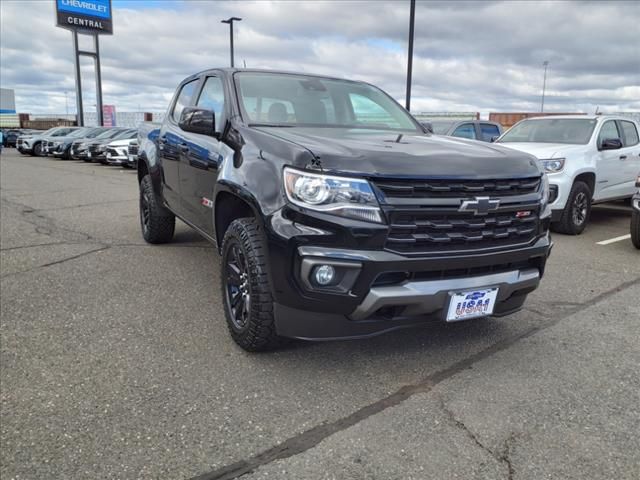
(230, 22)
(544, 83)
(412, 20)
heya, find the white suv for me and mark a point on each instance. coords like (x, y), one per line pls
(588, 159)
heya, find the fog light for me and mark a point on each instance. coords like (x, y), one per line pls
(324, 275)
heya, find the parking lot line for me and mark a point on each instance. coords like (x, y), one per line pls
(615, 239)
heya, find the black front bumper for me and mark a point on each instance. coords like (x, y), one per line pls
(382, 290)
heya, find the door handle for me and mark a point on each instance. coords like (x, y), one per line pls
(623, 157)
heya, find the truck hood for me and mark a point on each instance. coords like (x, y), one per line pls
(546, 150)
(393, 154)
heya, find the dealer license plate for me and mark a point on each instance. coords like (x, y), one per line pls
(472, 304)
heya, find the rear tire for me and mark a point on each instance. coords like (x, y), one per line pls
(156, 222)
(635, 228)
(246, 289)
(576, 212)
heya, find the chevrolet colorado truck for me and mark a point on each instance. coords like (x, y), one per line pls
(335, 213)
(589, 159)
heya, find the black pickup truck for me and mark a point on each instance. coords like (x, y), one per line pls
(336, 214)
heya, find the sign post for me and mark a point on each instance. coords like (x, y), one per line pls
(88, 17)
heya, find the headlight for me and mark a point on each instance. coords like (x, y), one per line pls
(346, 197)
(553, 165)
(544, 202)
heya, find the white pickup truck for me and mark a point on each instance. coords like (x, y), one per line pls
(588, 159)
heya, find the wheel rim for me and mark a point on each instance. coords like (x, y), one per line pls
(580, 206)
(145, 212)
(238, 295)
(37, 149)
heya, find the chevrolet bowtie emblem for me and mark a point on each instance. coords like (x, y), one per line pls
(479, 205)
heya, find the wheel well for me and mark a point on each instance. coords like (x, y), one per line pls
(228, 208)
(142, 170)
(589, 178)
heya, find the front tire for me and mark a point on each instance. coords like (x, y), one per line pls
(635, 228)
(246, 289)
(157, 224)
(37, 150)
(577, 210)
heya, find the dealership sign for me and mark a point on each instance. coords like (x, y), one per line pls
(88, 16)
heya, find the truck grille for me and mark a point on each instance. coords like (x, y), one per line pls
(457, 188)
(414, 231)
(93, 148)
(428, 226)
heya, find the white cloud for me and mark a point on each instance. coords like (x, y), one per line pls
(472, 56)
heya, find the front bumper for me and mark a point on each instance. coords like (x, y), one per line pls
(116, 159)
(368, 308)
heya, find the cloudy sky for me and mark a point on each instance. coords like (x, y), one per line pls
(469, 56)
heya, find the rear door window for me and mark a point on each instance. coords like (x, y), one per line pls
(488, 131)
(466, 130)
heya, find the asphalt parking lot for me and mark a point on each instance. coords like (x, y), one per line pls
(116, 363)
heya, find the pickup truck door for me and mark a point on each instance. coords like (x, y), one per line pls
(170, 145)
(609, 174)
(629, 156)
(200, 159)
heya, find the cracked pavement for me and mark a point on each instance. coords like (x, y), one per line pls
(115, 361)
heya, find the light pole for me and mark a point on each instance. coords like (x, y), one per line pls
(66, 102)
(230, 22)
(412, 21)
(544, 83)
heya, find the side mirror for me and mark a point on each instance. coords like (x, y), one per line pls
(611, 144)
(427, 126)
(198, 120)
(494, 138)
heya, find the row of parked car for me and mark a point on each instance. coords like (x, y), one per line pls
(107, 145)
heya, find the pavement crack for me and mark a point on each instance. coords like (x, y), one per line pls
(502, 457)
(58, 262)
(505, 456)
(81, 205)
(312, 437)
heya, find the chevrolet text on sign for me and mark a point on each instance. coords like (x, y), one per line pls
(91, 16)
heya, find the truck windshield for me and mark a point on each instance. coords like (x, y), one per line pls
(288, 100)
(576, 131)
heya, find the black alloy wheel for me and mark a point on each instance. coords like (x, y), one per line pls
(238, 289)
(575, 215)
(579, 209)
(246, 288)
